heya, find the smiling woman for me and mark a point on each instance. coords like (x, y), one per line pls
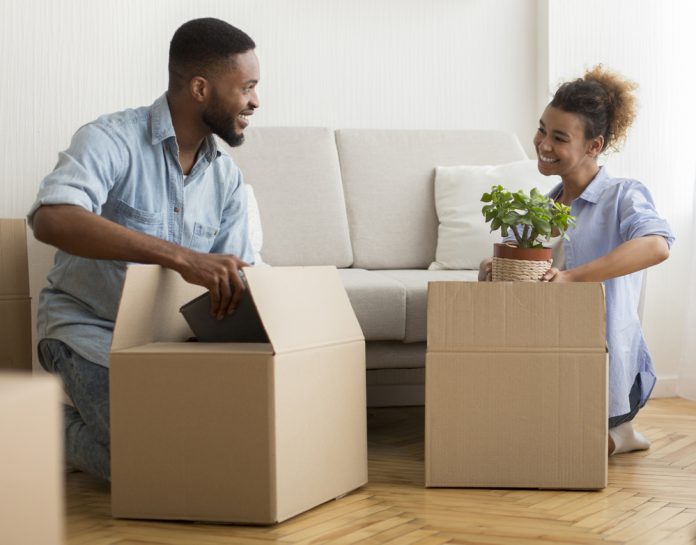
(618, 231)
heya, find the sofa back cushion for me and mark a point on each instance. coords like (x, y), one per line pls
(388, 180)
(297, 183)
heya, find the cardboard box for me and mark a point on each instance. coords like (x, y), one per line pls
(516, 385)
(15, 304)
(232, 432)
(31, 460)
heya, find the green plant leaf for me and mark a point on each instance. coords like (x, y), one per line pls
(536, 214)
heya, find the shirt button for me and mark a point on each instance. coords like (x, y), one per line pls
(177, 209)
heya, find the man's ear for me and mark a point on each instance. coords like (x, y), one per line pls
(199, 88)
(596, 146)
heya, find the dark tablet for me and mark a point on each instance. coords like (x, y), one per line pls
(242, 326)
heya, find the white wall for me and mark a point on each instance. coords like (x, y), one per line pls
(363, 63)
(651, 42)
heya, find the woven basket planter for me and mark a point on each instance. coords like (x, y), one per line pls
(513, 264)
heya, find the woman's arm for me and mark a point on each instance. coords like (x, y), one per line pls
(631, 256)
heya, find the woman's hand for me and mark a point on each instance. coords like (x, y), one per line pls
(486, 270)
(555, 275)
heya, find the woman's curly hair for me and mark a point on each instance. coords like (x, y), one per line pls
(604, 100)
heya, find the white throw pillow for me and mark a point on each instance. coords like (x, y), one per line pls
(464, 238)
(254, 224)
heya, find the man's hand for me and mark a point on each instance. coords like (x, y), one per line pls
(220, 274)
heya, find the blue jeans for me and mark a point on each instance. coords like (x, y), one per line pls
(87, 423)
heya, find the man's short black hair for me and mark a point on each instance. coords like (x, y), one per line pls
(202, 46)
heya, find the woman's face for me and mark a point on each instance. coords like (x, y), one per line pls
(561, 146)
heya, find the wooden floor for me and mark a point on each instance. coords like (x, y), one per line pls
(651, 498)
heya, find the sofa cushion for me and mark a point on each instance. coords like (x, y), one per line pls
(297, 183)
(415, 283)
(464, 237)
(379, 303)
(394, 355)
(254, 222)
(388, 183)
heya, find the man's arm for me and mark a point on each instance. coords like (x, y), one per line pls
(82, 233)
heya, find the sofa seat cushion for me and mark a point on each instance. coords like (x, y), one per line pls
(394, 355)
(379, 303)
(415, 284)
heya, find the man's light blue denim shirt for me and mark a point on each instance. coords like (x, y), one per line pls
(609, 212)
(124, 167)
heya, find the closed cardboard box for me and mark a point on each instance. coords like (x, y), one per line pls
(236, 432)
(31, 460)
(516, 385)
(15, 304)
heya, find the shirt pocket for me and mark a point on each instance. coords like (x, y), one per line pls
(143, 221)
(203, 237)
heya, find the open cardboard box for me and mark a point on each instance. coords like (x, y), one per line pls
(15, 304)
(516, 385)
(233, 432)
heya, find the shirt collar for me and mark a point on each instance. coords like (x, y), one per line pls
(593, 191)
(599, 183)
(162, 127)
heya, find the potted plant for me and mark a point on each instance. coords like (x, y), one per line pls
(532, 219)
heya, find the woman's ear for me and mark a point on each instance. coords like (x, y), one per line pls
(596, 146)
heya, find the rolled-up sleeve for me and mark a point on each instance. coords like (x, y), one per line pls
(85, 172)
(233, 237)
(638, 216)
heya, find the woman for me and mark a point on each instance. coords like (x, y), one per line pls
(618, 231)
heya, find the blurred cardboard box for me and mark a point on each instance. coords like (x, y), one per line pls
(31, 460)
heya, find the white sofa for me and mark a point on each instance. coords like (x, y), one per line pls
(363, 200)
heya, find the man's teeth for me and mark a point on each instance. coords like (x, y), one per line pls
(547, 159)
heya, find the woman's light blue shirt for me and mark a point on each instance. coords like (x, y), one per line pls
(124, 167)
(609, 212)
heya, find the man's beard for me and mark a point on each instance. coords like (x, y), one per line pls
(222, 124)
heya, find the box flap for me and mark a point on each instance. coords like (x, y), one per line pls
(470, 316)
(302, 307)
(14, 268)
(149, 307)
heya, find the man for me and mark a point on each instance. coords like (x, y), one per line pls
(147, 185)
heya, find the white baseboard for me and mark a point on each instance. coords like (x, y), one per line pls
(666, 386)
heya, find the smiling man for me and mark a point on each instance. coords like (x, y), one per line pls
(147, 185)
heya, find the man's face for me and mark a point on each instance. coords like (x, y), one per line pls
(233, 99)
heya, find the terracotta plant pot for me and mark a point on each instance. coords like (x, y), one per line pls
(511, 263)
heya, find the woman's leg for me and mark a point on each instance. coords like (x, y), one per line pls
(622, 436)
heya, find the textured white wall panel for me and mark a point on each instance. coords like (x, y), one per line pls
(653, 44)
(389, 63)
